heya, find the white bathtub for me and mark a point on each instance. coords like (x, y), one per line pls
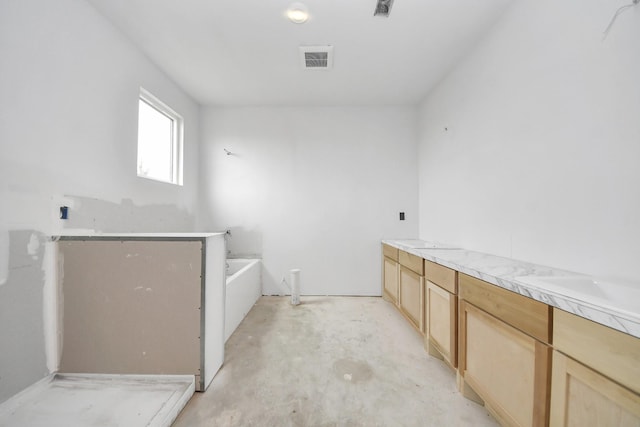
(244, 287)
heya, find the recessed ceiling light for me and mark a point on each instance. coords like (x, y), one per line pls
(298, 13)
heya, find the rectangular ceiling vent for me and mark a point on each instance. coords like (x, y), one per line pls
(316, 57)
(383, 8)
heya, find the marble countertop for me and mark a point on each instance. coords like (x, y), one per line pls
(527, 279)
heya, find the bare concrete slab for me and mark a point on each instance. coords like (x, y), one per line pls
(93, 400)
(331, 361)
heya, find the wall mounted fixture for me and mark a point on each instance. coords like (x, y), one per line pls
(297, 13)
(383, 8)
(605, 33)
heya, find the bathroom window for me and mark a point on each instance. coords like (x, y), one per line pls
(160, 131)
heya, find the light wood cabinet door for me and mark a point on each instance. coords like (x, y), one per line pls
(507, 368)
(581, 397)
(441, 322)
(390, 290)
(412, 297)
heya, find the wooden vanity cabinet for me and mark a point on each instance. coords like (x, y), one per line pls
(390, 273)
(596, 374)
(529, 364)
(441, 312)
(504, 356)
(411, 298)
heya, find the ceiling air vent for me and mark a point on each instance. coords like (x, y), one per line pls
(383, 8)
(316, 57)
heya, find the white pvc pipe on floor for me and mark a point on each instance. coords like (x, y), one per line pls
(295, 287)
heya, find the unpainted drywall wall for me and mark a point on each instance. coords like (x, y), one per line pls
(126, 216)
(68, 112)
(529, 148)
(131, 307)
(311, 188)
(22, 359)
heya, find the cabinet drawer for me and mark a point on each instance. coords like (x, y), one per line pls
(442, 276)
(613, 353)
(530, 316)
(412, 262)
(390, 252)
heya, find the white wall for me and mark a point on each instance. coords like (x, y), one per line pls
(69, 85)
(311, 188)
(540, 159)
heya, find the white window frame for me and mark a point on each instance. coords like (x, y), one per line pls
(177, 136)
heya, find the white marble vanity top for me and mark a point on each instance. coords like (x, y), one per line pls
(586, 299)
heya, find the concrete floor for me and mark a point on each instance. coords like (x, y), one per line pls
(331, 361)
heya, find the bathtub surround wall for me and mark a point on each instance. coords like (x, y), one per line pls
(311, 188)
(168, 286)
(529, 148)
(68, 113)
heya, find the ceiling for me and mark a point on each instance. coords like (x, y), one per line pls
(245, 52)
